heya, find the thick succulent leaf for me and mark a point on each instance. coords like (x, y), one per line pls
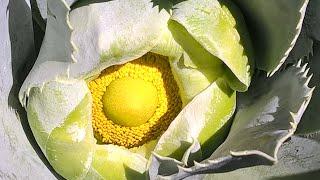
(56, 50)
(306, 46)
(274, 26)
(310, 122)
(312, 20)
(42, 6)
(299, 158)
(301, 50)
(267, 116)
(204, 119)
(59, 115)
(19, 159)
(104, 33)
(209, 32)
(114, 162)
(309, 32)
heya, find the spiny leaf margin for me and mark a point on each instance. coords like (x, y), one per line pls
(228, 157)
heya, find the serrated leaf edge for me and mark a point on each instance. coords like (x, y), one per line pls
(294, 40)
(295, 118)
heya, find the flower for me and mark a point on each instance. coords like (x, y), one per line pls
(97, 60)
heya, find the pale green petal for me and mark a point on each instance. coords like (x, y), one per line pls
(196, 63)
(71, 146)
(167, 46)
(97, 36)
(114, 162)
(114, 32)
(209, 32)
(274, 26)
(60, 118)
(59, 114)
(190, 79)
(49, 105)
(202, 119)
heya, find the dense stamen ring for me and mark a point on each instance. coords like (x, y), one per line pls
(150, 68)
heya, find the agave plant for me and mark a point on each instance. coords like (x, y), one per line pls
(171, 90)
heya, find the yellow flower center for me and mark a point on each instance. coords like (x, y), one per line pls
(130, 102)
(135, 102)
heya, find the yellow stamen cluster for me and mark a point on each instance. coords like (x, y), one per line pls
(150, 68)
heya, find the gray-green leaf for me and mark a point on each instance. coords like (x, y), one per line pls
(268, 114)
(299, 158)
(310, 122)
(274, 26)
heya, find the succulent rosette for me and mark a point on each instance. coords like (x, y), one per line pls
(126, 90)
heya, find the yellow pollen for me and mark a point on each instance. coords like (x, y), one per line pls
(135, 102)
(130, 102)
